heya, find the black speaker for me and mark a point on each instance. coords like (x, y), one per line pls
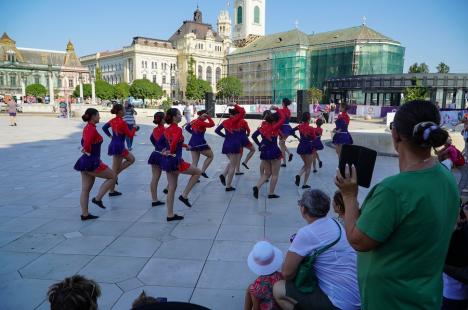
(210, 104)
(302, 103)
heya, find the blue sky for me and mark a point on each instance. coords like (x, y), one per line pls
(432, 30)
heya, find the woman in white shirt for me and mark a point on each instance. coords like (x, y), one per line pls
(335, 268)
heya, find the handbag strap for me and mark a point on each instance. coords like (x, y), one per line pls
(323, 249)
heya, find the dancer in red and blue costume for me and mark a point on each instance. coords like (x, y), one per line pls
(244, 137)
(317, 144)
(197, 143)
(270, 153)
(285, 131)
(91, 166)
(117, 145)
(305, 149)
(341, 135)
(173, 164)
(159, 142)
(232, 143)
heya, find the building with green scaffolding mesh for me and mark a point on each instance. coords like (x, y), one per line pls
(276, 66)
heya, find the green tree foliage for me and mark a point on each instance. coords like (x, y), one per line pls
(166, 104)
(104, 90)
(416, 92)
(144, 89)
(196, 88)
(229, 87)
(315, 95)
(122, 91)
(86, 91)
(36, 90)
(98, 74)
(419, 68)
(443, 68)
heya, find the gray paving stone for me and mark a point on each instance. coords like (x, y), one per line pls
(110, 293)
(105, 228)
(130, 284)
(195, 231)
(133, 247)
(13, 261)
(112, 269)
(7, 237)
(59, 226)
(150, 230)
(55, 266)
(35, 243)
(22, 224)
(13, 293)
(240, 233)
(184, 249)
(224, 250)
(171, 272)
(225, 275)
(88, 245)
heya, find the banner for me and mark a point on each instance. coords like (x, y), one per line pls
(450, 119)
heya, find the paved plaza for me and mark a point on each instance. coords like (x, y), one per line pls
(131, 247)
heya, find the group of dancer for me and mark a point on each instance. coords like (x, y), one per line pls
(168, 142)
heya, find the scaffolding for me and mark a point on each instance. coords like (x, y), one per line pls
(379, 59)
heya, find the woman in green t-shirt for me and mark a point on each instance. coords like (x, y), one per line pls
(403, 231)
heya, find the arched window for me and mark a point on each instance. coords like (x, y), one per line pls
(218, 74)
(200, 72)
(209, 75)
(239, 15)
(257, 15)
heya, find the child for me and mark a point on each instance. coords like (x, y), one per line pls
(339, 207)
(317, 143)
(264, 260)
(450, 156)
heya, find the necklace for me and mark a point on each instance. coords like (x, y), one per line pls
(423, 161)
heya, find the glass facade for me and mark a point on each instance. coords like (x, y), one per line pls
(331, 62)
(379, 59)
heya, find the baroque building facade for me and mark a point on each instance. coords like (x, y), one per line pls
(166, 62)
(59, 71)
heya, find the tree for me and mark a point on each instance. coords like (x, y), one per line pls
(443, 68)
(421, 68)
(416, 92)
(104, 90)
(196, 88)
(122, 91)
(86, 91)
(98, 74)
(36, 90)
(315, 95)
(166, 104)
(229, 87)
(144, 89)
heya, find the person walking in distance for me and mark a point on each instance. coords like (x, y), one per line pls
(331, 115)
(11, 103)
(122, 158)
(91, 166)
(129, 118)
(188, 112)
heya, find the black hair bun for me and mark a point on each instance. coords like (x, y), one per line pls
(86, 117)
(429, 134)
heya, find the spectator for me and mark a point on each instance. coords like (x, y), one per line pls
(338, 207)
(450, 156)
(455, 275)
(11, 103)
(335, 268)
(331, 116)
(404, 229)
(264, 260)
(129, 118)
(188, 112)
(74, 293)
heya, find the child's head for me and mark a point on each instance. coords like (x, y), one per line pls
(264, 259)
(338, 203)
(319, 122)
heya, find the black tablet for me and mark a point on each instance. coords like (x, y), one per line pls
(362, 158)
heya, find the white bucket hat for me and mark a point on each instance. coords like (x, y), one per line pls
(264, 259)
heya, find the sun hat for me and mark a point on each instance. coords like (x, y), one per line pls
(264, 259)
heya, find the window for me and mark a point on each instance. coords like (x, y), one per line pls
(257, 15)
(173, 80)
(11, 56)
(144, 76)
(146, 64)
(142, 64)
(37, 79)
(155, 65)
(70, 83)
(59, 83)
(218, 74)
(209, 78)
(154, 79)
(12, 80)
(239, 15)
(2, 80)
(164, 79)
(200, 72)
(152, 65)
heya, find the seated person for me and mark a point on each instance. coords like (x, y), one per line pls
(74, 293)
(450, 156)
(335, 268)
(264, 260)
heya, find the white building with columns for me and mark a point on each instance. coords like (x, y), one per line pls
(166, 62)
(59, 71)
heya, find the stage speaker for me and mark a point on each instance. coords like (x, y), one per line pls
(302, 103)
(210, 104)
